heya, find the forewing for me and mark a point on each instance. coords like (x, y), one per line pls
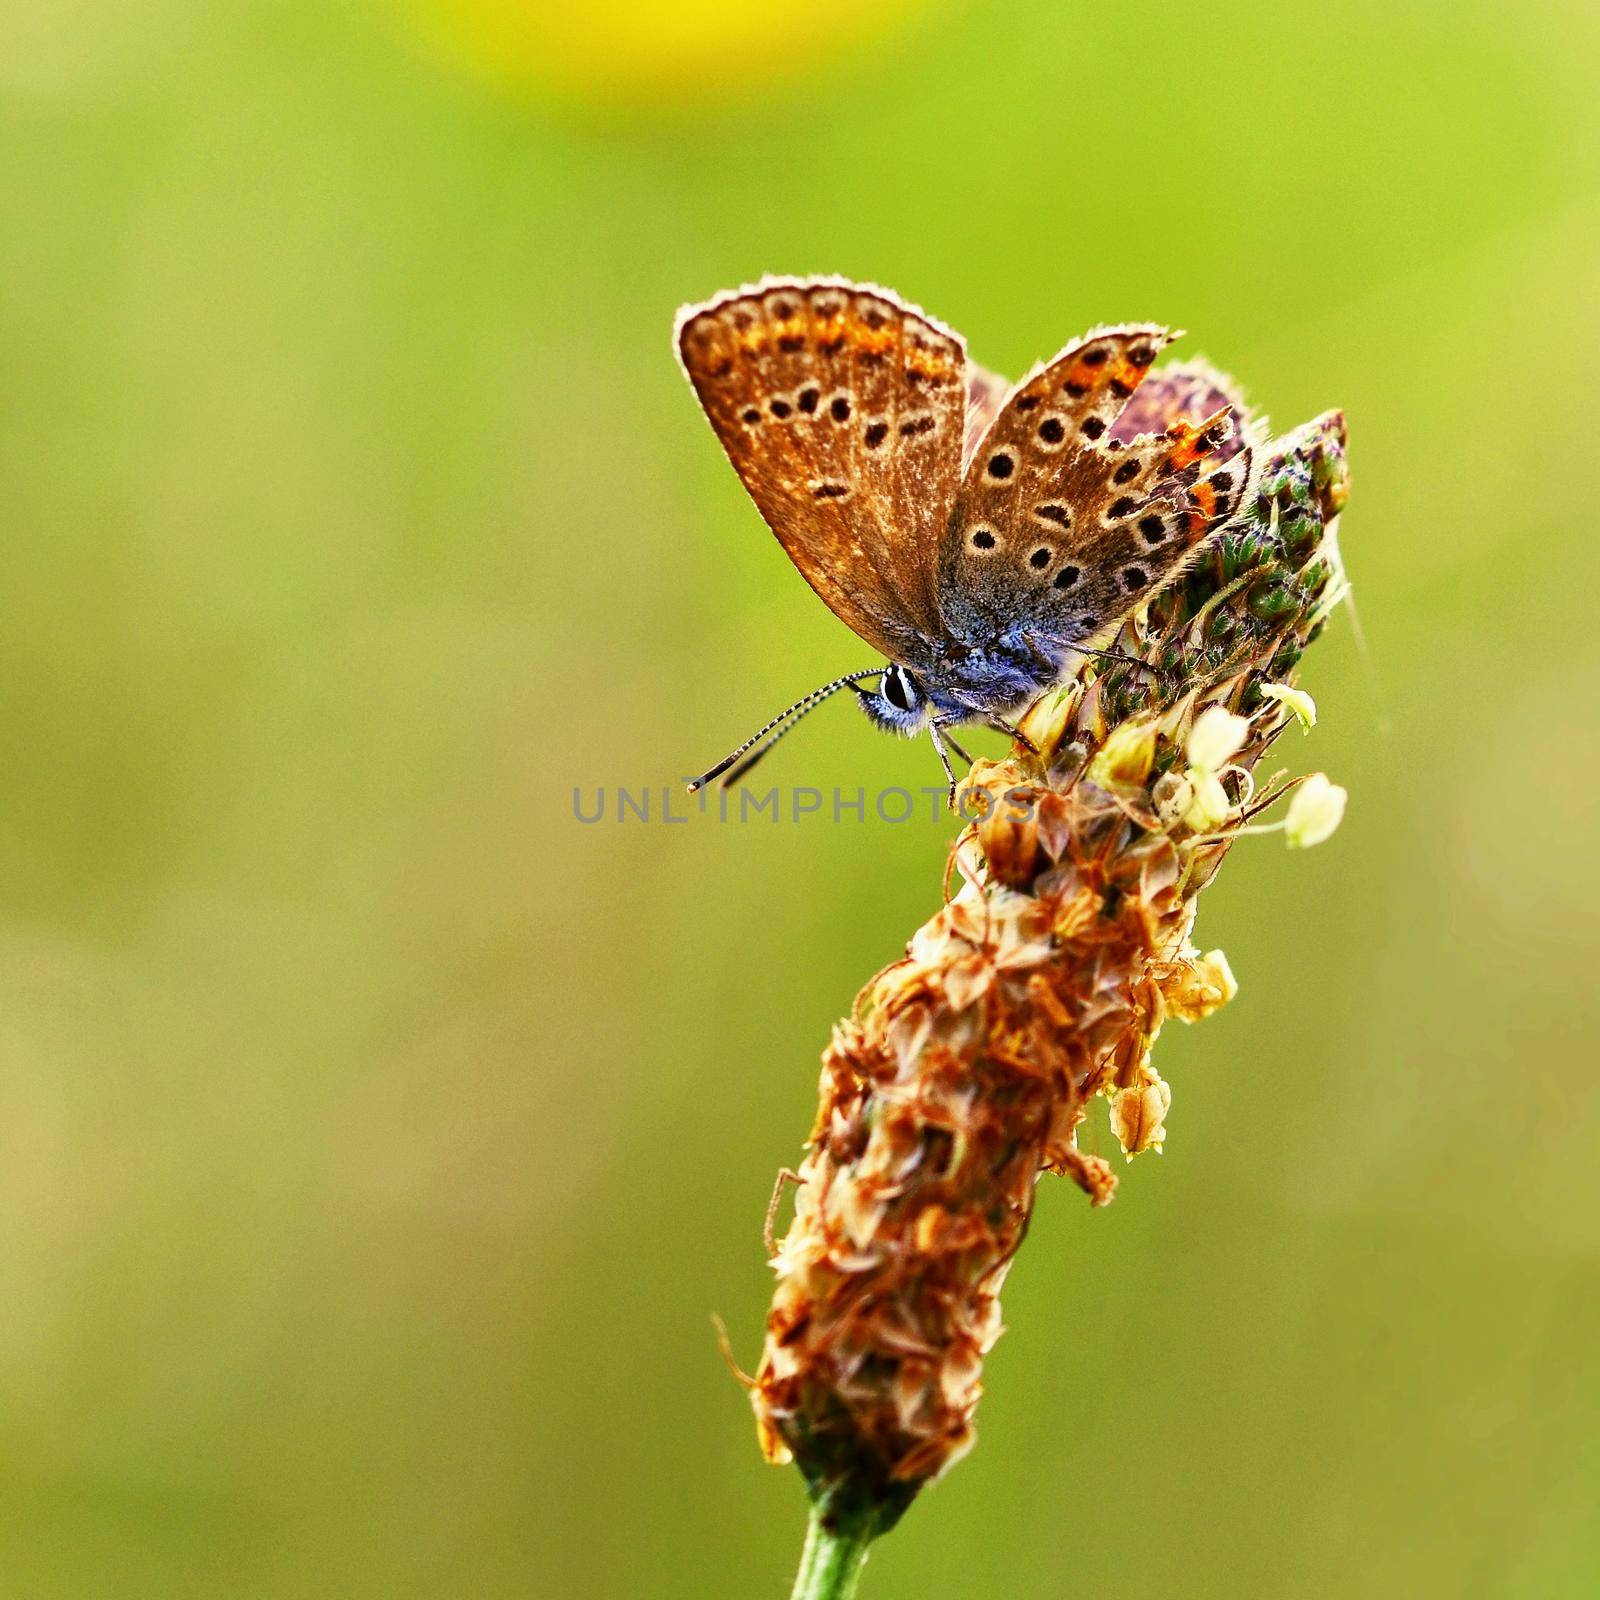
(842, 411)
(1063, 525)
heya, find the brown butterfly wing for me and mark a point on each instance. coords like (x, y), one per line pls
(1064, 527)
(842, 411)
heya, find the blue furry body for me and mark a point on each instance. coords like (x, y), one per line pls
(962, 683)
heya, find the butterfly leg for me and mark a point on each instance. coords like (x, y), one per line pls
(944, 761)
(950, 739)
(1001, 725)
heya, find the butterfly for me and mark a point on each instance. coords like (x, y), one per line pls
(986, 539)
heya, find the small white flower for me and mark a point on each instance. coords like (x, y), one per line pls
(1296, 701)
(1209, 806)
(1315, 812)
(1215, 738)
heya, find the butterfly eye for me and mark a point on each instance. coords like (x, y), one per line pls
(899, 691)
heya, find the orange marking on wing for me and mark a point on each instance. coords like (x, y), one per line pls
(1185, 447)
(874, 340)
(930, 365)
(1202, 511)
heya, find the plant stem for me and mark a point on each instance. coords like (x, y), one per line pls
(832, 1559)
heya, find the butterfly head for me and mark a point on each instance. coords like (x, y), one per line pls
(899, 703)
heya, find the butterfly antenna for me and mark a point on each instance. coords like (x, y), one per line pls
(782, 723)
(760, 750)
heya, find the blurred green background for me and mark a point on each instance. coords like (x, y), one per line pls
(376, 1140)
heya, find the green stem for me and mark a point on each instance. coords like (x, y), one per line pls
(832, 1559)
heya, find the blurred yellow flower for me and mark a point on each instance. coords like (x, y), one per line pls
(662, 52)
